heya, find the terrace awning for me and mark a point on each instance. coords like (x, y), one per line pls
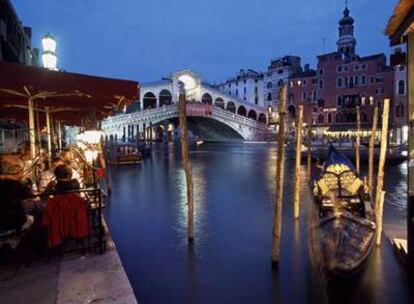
(401, 20)
(67, 97)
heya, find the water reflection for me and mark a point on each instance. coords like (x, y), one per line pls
(234, 188)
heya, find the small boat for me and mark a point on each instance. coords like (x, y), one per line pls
(126, 154)
(343, 225)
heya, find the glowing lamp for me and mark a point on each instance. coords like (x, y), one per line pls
(49, 57)
(49, 43)
(92, 137)
(91, 155)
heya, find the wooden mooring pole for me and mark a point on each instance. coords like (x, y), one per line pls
(277, 221)
(381, 164)
(309, 154)
(380, 212)
(371, 152)
(182, 117)
(296, 202)
(358, 140)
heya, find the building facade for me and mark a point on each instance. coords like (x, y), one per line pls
(342, 81)
(15, 39)
(247, 85)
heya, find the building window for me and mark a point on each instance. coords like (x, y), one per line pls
(256, 100)
(237, 92)
(244, 90)
(321, 119)
(346, 82)
(401, 87)
(401, 67)
(315, 110)
(314, 95)
(321, 103)
(229, 92)
(269, 96)
(372, 80)
(255, 81)
(364, 66)
(305, 82)
(314, 81)
(291, 97)
(339, 101)
(244, 81)
(356, 68)
(269, 85)
(329, 118)
(351, 82)
(304, 96)
(356, 80)
(280, 71)
(363, 80)
(321, 85)
(339, 69)
(321, 72)
(339, 82)
(256, 89)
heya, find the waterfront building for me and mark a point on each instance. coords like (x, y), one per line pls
(15, 39)
(262, 88)
(343, 80)
(400, 108)
(247, 85)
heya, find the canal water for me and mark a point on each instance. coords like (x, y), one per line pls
(230, 260)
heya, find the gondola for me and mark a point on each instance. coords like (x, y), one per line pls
(343, 225)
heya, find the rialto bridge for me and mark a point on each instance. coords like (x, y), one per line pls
(212, 115)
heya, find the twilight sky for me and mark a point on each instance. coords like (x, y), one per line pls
(145, 40)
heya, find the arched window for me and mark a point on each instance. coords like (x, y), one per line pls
(338, 117)
(339, 82)
(401, 87)
(329, 118)
(402, 110)
(269, 85)
(269, 96)
(321, 119)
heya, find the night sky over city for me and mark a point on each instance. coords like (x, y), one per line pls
(147, 40)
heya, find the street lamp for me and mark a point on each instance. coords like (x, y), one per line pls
(49, 57)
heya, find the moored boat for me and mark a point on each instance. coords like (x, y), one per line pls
(126, 154)
(343, 225)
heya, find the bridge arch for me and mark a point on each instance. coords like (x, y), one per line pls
(231, 106)
(262, 118)
(252, 114)
(207, 99)
(165, 98)
(219, 102)
(242, 111)
(149, 101)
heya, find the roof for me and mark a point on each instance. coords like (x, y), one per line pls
(372, 57)
(156, 83)
(59, 90)
(400, 21)
(309, 73)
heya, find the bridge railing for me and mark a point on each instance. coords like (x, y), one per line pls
(193, 109)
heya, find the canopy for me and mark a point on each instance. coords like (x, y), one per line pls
(336, 158)
(67, 93)
(401, 21)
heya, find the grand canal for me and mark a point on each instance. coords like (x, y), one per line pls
(234, 203)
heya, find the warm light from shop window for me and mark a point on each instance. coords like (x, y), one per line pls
(371, 100)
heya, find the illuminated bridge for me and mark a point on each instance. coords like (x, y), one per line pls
(212, 115)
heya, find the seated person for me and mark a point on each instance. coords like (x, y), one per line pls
(48, 176)
(68, 158)
(64, 181)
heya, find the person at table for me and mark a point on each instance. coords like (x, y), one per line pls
(63, 180)
(68, 158)
(48, 176)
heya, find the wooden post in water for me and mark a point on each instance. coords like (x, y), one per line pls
(380, 211)
(381, 164)
(358, 140)
(309, 153)
(277, 221)
(182, 117)
(371, 152)
(296, 202)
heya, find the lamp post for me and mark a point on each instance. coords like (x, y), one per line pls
(49, 57)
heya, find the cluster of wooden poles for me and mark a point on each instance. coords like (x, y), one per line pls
(277, 220)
